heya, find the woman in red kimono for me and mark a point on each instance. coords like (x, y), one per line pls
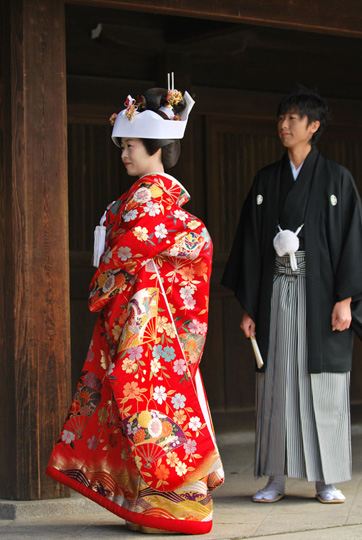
(138, 438)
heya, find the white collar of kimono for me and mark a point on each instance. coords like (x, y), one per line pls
(294, 170)
(173, 180)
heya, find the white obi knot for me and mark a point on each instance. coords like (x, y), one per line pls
(287, 243)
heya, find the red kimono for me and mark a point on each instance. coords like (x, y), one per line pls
(138, 438)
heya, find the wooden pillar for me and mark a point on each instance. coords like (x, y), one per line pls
(34, 290)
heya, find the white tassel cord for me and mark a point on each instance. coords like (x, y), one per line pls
(293, 262)
(99, 244)
(100, 239)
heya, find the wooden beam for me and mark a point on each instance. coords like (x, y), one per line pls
(323, 16)
(34, 326)
(104, 95)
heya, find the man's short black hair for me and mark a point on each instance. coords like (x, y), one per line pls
(308, 103)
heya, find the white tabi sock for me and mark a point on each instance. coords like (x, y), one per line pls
(328, 492)
(275, 486)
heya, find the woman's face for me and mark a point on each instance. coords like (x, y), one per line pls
(136, 159)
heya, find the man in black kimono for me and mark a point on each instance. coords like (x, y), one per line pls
(297, 289)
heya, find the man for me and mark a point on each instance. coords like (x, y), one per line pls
(296, 268)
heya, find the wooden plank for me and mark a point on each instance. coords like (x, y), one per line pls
(212, 365)
(199, 184)
(7, 402)
(356, 375)
(237, 148)
(35, 232)
(324, 16)
(239, 359)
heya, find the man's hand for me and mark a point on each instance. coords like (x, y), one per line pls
(247, 325)
(341, 315)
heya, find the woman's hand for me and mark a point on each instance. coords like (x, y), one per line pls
(247, 325)
(341, 315)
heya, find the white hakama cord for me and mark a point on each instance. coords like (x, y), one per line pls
(303, 422)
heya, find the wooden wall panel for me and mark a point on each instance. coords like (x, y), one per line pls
(239, 362)
(356, 374)
(237, 148)
(343, 150)
(82, 321)
(96, 178)
(7, 401)
(212, 366)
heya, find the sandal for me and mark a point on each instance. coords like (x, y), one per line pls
(331, 496)
(328, 494)
(272, 492)
(264, 496)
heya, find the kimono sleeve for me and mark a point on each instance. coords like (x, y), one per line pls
(243, 270)
(348, 278)
(155, 229)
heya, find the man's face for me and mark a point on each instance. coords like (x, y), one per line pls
(294, 130)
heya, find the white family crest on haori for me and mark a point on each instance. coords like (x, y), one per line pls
(333, 200)
(287, 243)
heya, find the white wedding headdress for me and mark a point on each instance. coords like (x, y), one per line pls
(147, 124)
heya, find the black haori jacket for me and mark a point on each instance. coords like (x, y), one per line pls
(324, 197)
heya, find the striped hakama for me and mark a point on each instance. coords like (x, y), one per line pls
(303, 421)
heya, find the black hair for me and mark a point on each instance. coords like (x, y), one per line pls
(152, 100)
(171, 150)
(306, 102)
